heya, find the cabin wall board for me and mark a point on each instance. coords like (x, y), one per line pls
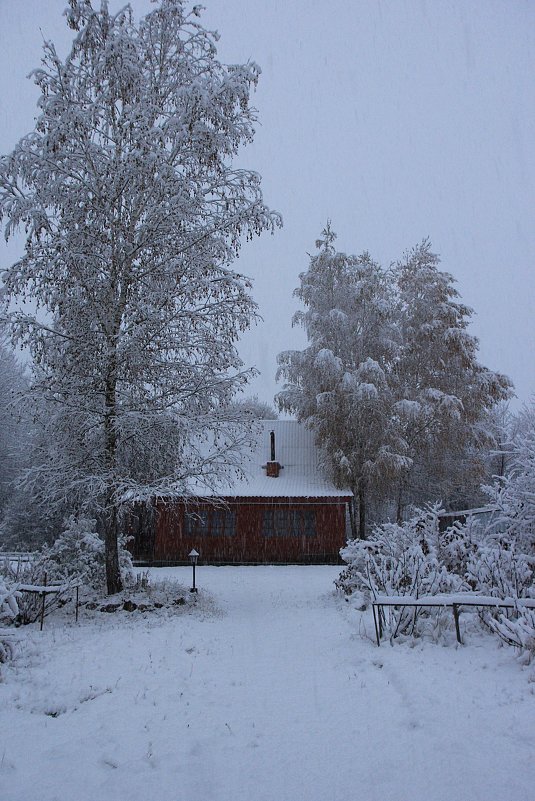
(249, 543)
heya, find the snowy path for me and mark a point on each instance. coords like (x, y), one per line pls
(277, 699)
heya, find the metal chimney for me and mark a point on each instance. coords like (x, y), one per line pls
(273, 468)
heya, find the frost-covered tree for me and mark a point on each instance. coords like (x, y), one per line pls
(133, 212)
(504, 427)
(445, 396)
(255, 409)
(14, 434)
(22, 523)
(340, 384)
(514, 493)
(390, 380)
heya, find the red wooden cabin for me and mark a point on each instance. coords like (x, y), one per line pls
(283, 510)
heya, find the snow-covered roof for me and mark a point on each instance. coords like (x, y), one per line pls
(295, 450)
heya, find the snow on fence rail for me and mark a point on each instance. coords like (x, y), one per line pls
(453, 601)
(17, 556)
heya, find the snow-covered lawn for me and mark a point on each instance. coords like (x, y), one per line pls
(276, 697)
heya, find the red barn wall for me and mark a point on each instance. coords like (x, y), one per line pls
(249, 544)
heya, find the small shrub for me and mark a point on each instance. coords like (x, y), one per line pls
(77, 554)
(457, 546)
(402, 560)
(32, 573)
(417, 559)
(501, 571)
(9, 609)
(519, 633)
(9, 598)
(399, 560)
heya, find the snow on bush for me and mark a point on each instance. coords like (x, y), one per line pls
(496, 558)
(500, 570)
(506, 559)
(34, 573)
(76, 555)
(458, 544)
(402, 560)
(8, 599)
(417, 559)
(520, 633)
(79, 553)
(9, 609)
(514, 494)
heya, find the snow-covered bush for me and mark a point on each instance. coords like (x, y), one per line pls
(500, 570)
(398, 560)
(417, 559)
(505, 563)
(32, 573)
(8, 599)
(9, 609)
(513, 495)
(401, 560)
(79, 553)
(458, 544)
(519, 632)
(493, 557)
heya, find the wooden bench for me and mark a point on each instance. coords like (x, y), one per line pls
(454, 602)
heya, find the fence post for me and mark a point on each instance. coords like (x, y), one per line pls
(456, 617)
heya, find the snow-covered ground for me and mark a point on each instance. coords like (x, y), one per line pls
(277, 696)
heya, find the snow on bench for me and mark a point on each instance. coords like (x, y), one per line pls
(453, 601)
(47, 588)
(53, 588)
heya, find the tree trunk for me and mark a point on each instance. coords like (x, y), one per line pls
(362, 513)
(353, 518)
(399, 506)
(113, 572)
(114, 582)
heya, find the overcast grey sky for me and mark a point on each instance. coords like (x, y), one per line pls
(396, 119)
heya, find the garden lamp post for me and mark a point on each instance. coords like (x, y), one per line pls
(193, 556)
